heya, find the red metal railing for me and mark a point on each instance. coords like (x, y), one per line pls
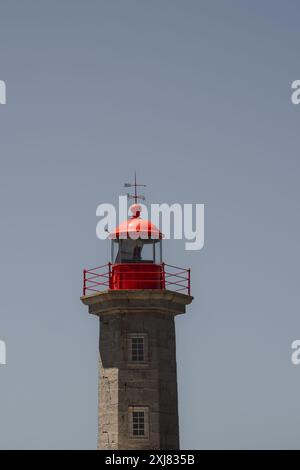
(169, 277)
(177, 279)
(95, 279)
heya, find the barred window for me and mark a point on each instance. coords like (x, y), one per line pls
(137, 348)
(138, 423)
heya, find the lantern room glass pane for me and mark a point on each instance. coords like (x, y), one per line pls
(136, 251)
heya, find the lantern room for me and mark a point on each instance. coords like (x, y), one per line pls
(136, 240)
(136, 258)
(136, 252)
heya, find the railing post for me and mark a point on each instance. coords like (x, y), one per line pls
(163, 275)
(189, 281)
(84, 281)
(109, 275)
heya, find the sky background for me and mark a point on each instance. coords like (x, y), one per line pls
(194, 96)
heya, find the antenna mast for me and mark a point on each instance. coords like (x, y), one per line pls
(135, 185)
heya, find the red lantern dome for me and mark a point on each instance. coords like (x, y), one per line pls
(136, 227)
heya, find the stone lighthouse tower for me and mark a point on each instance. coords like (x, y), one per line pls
(136, 297)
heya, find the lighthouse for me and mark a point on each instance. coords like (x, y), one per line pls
(136, 297)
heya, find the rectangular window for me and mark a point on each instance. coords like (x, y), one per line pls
(137, 348)
(138, 422)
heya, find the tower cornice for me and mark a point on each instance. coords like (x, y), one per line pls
(125, 301)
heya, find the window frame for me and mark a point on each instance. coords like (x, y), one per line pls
(131, 418)
(130, 356)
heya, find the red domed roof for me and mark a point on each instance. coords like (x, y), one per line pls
(136, 227)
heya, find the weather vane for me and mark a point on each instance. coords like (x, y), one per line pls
(135, 185)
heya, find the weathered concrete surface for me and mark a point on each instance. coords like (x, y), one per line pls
(151, 384)
(132, 300)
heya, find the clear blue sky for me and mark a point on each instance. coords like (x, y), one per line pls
(194, 96)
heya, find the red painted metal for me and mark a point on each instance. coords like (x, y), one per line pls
(137, 228)
(136, 276)
(95, 279)
(163, 275)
